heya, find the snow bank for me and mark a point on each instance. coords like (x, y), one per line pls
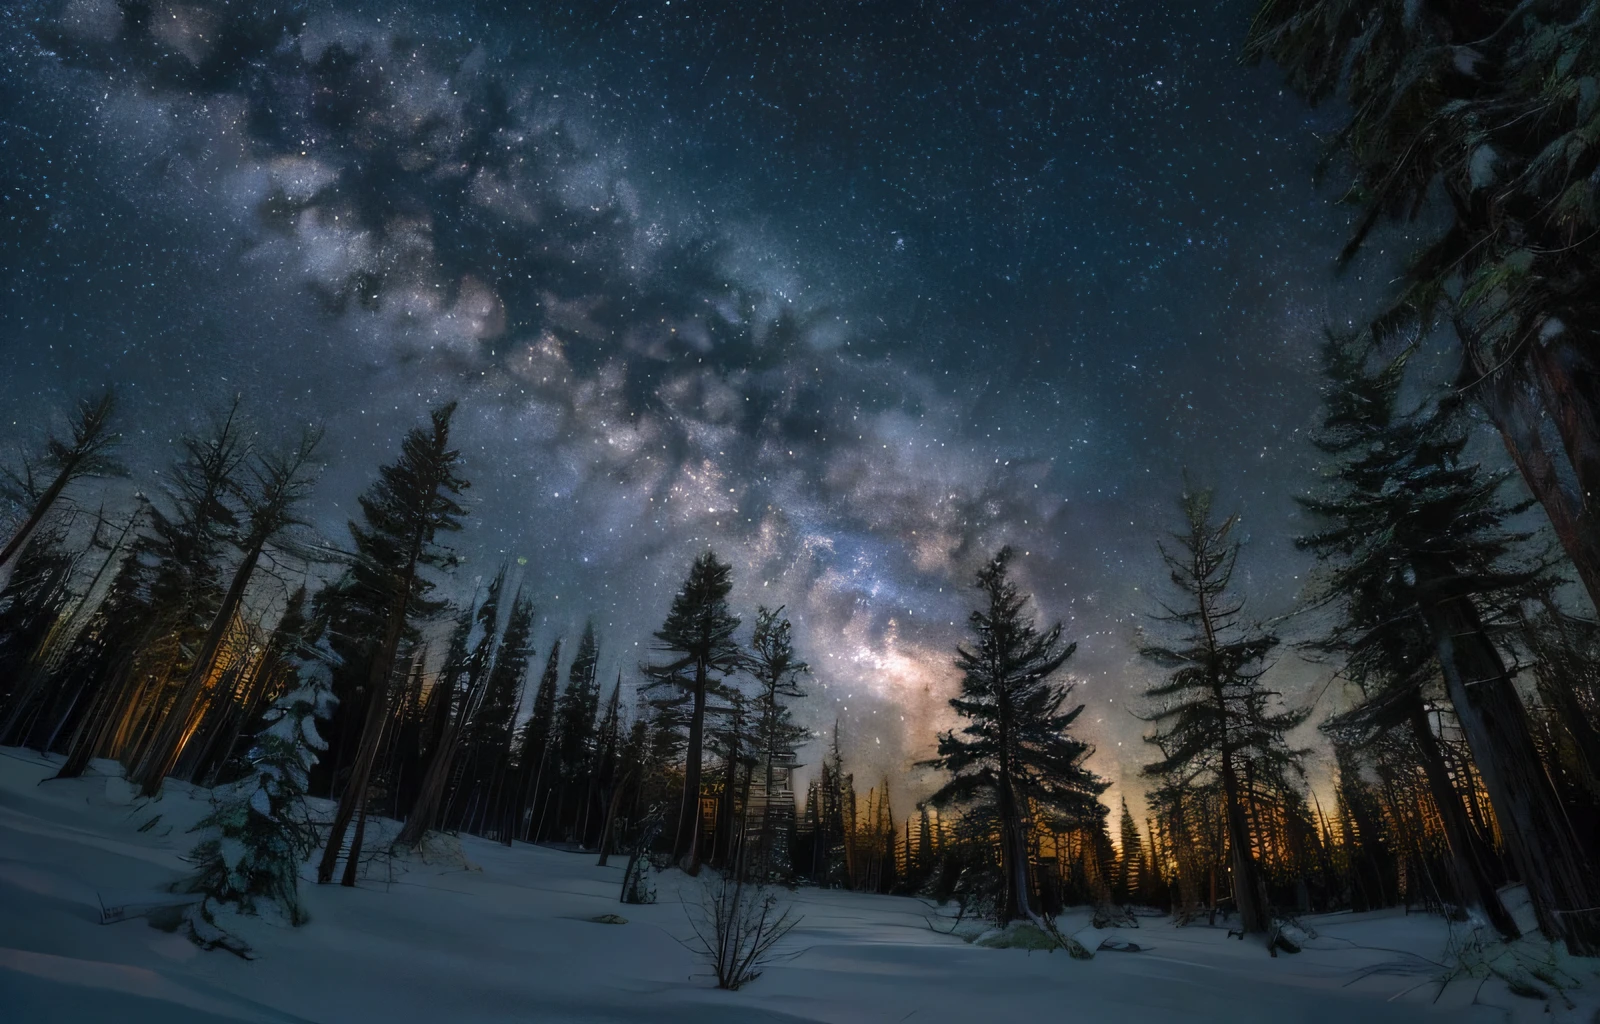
(428, 938)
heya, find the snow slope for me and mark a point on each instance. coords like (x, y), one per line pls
(509, 938)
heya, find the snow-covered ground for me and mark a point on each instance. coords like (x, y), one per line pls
(510, 938)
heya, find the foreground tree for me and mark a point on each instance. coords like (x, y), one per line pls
(1481, 116)
(1422, 558)
(1015, 757)
(1215, 723)
(697, 639)
(261, 830)
(413, 502)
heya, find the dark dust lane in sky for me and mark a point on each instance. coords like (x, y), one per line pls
(854, 293)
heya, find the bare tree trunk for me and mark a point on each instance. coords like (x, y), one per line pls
(1511, 407)
(1561, 883)
(1249, 889)
(686, 847)
(371, 733)
(1469, 874)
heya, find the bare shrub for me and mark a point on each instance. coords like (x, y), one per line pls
(737, 925)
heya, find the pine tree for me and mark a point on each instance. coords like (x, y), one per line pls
(413, 501)
(777, 671)
(606, 775)
(575, 714)
(261, 830)
(451, 708)
(1015, 759)
(174, 586)
(493, 723)
(1131, 866)
(697, 640)
(535, 749)
(280, 482)
(33, 601)
(1214, 719)
(1421, 560)
(86, 454)
(1481, 114)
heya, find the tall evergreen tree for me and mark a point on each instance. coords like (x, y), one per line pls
(535, 749)
(1214, 719)
(493, 724)
(413, 501)
(575, 714)
(1132, 868)
(86, 453)
(280, 482)
(451, 707)
(1421, 559)
(697, 642)
(32, 602)
(776, 669)
(175, 582)
(1480, 114)
(1015, 758)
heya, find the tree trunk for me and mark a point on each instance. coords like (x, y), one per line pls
(1013, 855)
(611, 819)
(1511, 407)
(41, 508)
(1540, 839)
(163, 752)
(372, 728)
(686, 846)
(1469, 871)
(1249, 890)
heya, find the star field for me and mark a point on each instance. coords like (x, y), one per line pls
(854, 293)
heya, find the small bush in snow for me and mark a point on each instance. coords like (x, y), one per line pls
(260, 829)
(737, 925)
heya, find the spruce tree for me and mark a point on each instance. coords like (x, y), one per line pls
(33, 601)
(1482, 115)
(493, 725)
(413, 501)
(1421, 560)
(605, 773)
(575, 713)
(1214, 720)
(1131, 866)
(260, 829)
(699, 650)
(1015, 758)
(776, 669)
(535, 750)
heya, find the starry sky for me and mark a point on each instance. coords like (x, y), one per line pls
(852, 292)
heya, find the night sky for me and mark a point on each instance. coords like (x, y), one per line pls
(852, 292)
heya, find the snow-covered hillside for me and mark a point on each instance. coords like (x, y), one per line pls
(509, 936)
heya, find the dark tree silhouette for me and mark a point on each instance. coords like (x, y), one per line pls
(697, 639)
(1015, 757)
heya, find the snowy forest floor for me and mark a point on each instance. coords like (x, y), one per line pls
(508, 936)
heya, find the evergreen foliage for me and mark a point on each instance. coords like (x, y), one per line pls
(261, 829)
(1015, 758)
(699, 650)
(1215, 723)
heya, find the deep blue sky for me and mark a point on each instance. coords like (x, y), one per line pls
(854, 292)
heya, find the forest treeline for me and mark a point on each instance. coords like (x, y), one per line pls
(1462, 708)
(171, 636)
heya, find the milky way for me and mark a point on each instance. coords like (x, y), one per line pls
(853, 293)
